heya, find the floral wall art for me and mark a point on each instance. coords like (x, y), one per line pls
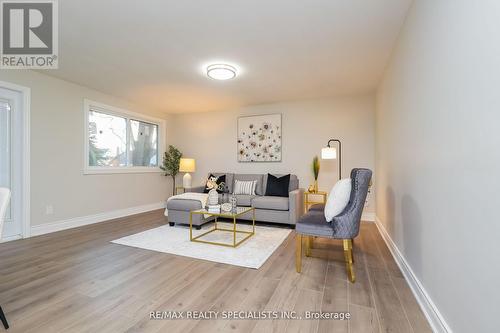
(259, 138)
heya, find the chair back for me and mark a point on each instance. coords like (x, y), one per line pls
(346, 224)
(4, 203)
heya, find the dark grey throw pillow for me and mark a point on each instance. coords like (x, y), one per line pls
(277, 187)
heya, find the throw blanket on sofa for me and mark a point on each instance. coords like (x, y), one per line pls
(201, 197)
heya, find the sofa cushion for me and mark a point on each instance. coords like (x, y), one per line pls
(259, 189)
(229, 180)
(244, 187)
(244, 200)
(277, 186)
(267, 202)
(183, 204)
(294, 182)
(219, 181)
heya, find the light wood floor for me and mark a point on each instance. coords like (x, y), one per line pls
(77, 281)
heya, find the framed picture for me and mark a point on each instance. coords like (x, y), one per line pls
(259, 138)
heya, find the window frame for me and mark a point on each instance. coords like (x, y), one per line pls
(89, 105)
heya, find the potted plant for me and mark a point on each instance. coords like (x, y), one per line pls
(315, 169)
(171, 161)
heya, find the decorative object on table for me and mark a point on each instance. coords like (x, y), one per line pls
(214, 208)
(277, 186)
(227, 207)
(213, 197)
(259, 138)
(187, 165)
(171, 161)
(4, 202)
(315, 169)
(234, 202)
(310, 189)
(215, 183)
(338, 198)
(330, 153)
(245, 187)
(308, 202)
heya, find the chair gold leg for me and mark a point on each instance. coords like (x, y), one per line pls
(308, 245)
(348, 260)
(352, 248)
(298, 252)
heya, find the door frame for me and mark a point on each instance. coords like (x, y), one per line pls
(25, 182)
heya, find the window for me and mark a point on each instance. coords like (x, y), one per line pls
(120, 141)
(143, 144)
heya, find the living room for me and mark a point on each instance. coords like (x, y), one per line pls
(257, 167)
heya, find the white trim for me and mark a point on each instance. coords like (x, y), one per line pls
(430, 310)
(116, 170)
(368, 217)
(42, 229)
(88, 170)
(10, 238)
(26, 214)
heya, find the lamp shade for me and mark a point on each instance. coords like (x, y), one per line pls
(187, 165)
(328, 153)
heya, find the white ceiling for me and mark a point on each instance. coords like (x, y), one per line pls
(152, 52)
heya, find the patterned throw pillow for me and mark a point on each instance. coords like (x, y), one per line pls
(245, 187)
(218, 183)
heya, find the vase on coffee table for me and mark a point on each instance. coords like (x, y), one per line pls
(213, 197)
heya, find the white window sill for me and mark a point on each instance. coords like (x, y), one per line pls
(113, 170)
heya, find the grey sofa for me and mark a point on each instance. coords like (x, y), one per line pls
(344, 226)
(283, 210)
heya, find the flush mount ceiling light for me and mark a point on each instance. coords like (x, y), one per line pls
(221, 72)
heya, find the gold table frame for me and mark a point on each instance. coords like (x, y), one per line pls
(240, 211)
(308, 203)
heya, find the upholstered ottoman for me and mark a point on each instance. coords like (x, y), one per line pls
(178, 212)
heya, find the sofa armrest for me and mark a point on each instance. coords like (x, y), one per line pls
(197, 189)
(296, 204)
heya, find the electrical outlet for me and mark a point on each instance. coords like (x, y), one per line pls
(49, 210)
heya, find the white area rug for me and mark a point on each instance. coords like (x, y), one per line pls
(252, 253)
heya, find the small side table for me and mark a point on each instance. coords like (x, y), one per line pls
(309, 202)
(179, 188)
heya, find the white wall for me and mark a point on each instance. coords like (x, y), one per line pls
(57, 142)
(210, 138)
(438, 156)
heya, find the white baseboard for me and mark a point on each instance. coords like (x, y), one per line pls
(42, 229)
(431, 312)
(10, 238)
(368, 217)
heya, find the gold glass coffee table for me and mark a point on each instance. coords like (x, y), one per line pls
(231, 215)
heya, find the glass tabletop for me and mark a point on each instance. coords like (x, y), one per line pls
(239, 211)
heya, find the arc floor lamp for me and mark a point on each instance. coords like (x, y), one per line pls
(330, 153)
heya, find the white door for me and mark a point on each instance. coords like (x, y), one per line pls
(11, 159)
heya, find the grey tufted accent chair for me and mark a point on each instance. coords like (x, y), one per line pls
(344, 226)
